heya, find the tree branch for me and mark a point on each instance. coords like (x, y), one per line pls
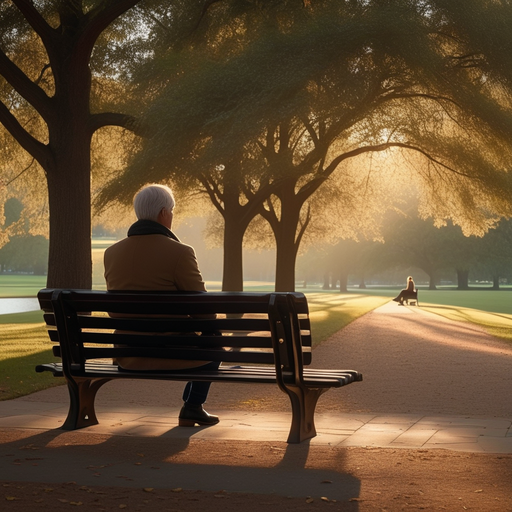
(25, 87)
(303, 228)
(34, 19)
(312, 186)
(20, 173)
(30, 144)
(101, 16)
(213, 192)
(131, 123)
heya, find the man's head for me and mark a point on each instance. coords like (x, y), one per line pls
(154, 202)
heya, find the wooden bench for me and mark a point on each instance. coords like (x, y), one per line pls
(270, 332)
(412, 297)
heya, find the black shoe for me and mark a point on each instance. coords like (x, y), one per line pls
(192, 414)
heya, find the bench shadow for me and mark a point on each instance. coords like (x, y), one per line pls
(170, 462)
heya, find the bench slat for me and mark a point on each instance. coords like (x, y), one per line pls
(242, 374)
(193, 354)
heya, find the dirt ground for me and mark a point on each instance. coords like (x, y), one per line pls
(372, 480)
(411, 361)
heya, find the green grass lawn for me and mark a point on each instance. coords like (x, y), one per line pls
(331, 311)
(24, 343)
(20, 285)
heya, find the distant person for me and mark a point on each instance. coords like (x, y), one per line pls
(152, 258)
(406, 293)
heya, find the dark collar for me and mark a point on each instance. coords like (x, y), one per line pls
(150, 227)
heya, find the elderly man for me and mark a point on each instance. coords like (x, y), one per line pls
(152, 258)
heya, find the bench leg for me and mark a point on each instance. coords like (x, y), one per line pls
(82, 393)
(303, 412)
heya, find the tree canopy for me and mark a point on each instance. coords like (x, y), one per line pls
(258, 105)
(261, 113)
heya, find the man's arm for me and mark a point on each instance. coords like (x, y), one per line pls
(188, 276)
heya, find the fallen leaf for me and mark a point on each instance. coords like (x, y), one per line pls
(479, 490)
(11, 498)
(76, 503)
(323, 498)
(122, 505)
(148, 489)
(177, 489)
(310, 500)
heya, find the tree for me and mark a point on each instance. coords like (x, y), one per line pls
(494, 254)
(52, 67)
(25, 253)
(56, 88)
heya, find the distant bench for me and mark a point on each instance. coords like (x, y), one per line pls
(270, 330)
(411, 296)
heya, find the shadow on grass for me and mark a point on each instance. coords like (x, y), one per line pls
(18, 376)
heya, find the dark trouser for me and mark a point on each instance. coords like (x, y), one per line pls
(196, 392)
(404, 295)
(400, 297)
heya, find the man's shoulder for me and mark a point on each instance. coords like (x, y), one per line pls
(150, 241)
(116, 245)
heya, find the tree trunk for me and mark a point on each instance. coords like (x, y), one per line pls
(462, 279)
(495, 282)
(68, 172)
(237, 218)
(232, 273)
(288, 237)
(69, 194)
(327, 281)
(286, 256)
(343, 281)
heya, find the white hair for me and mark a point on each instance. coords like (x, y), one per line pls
(149, 201)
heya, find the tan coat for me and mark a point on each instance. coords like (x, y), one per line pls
(152, 263)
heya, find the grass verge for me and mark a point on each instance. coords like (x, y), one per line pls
(24, 343)
(331, 311)
(496, 324)
(21, 285)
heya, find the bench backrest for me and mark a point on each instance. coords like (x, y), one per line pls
(234, 327)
